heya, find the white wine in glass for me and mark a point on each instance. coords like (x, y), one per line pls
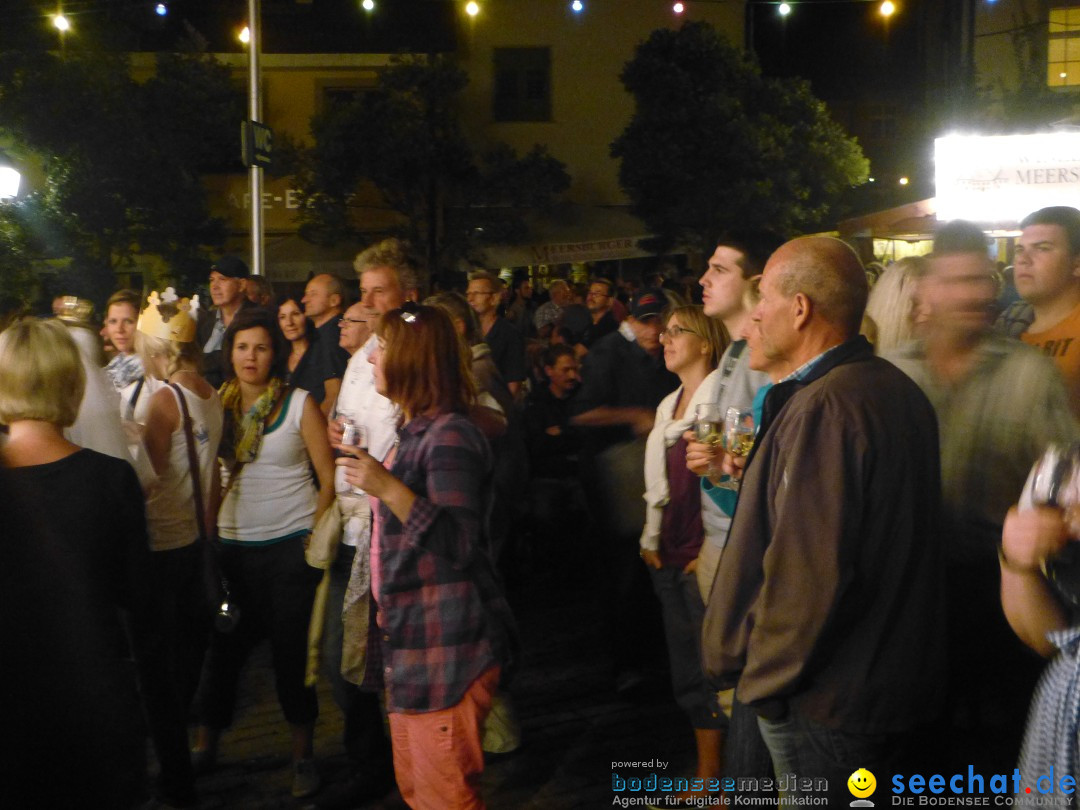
(739, 431)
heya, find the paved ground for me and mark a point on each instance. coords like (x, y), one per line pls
(573, 724)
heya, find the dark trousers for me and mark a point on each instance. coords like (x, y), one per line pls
(684, 612)
(274, 588)
(364, 737)
(174, 643)
(992, 674)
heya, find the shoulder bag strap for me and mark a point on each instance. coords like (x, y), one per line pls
(135, 397)
(193, 462)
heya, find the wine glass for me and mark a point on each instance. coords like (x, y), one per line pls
(709, 429)
(739, 431)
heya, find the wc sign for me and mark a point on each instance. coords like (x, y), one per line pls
(256, 144)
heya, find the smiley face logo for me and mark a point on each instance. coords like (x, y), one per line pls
(862, 783)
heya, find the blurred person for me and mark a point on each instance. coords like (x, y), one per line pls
(623, 381)
(825, 609)
(553, 442)
(674, 532)
(446, 630)
(522, 307)
(121, 315)
(1046, 273)
(166, 344)
(506, 342)
(323, 302)
(998, 403)
(893, 305)
(228, 278)
(98, 425)
(274, 436)
(389, 276)
(354, 330)
(87, 509)
(599, 301)
(259, 291)
(308, 364)
(550, 312)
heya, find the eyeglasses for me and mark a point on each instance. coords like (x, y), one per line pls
(343, 321)
(675, 331)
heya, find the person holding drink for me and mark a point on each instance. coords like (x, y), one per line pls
(674, 531)
(446, 632)
(1041, 599)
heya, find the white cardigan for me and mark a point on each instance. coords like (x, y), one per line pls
(666, 431)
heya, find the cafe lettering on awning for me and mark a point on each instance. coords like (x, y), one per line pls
(1002, 178)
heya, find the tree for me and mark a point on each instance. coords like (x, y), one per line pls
(406, 140)
(712, 144)
(122, 159)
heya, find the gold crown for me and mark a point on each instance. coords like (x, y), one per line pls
(75, 310)
(169, 317)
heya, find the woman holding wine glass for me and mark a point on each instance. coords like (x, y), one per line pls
(445, 628)
(674, 532)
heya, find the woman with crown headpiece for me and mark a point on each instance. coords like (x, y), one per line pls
(165, 340)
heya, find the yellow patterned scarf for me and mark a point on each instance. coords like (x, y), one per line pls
(243, 432)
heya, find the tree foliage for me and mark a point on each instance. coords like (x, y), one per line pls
(122, 159)
(405, 138)
(714, 145)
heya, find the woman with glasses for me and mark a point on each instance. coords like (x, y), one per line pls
(674, 532)
(444, 625)
(308, 363)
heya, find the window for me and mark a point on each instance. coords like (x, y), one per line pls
(522, 84)
(1063, 53)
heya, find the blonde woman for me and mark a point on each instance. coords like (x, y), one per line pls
(674, 532)
(89, 507)
(893, 305)
(166, 344)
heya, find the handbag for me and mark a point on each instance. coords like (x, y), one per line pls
(226, 611)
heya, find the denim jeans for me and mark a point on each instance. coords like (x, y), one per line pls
(803, 748)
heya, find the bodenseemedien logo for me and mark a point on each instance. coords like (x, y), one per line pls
(862, 785)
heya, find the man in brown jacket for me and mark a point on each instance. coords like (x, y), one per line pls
(826, 608)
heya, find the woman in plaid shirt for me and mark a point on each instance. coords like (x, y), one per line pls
(445, 628)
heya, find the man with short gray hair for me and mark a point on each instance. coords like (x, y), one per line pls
(825, 609)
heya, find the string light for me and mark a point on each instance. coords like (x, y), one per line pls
(472, 8)
(245, 35)
(887, 8)
(161, 9)
(577, 6)
(904, 181)
(60, 22)
(369, 5)
(678, 8)
(784, 9)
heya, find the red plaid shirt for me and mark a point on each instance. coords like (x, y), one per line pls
(443, 618)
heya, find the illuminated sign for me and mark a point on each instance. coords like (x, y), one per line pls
(1002, 178)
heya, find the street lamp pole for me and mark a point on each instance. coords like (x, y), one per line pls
(258, 261)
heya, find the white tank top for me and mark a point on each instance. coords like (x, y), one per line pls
(274, 497)
(170, 509)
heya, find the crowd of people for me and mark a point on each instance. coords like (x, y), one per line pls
(808, 486)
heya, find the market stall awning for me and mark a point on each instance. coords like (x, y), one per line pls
(574, 233)
(912, 222)
(290, 258)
